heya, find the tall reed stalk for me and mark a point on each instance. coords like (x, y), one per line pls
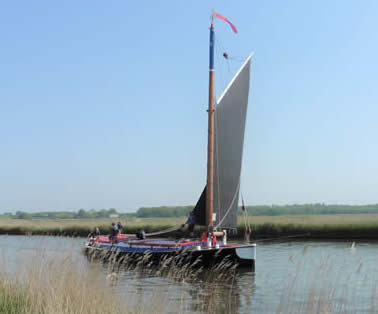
(55, 285)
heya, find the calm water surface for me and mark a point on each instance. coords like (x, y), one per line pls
(290, 277)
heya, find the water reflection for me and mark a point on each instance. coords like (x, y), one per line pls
(230, 295)
(194, 291)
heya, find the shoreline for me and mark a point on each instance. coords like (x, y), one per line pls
(306, 227)
(272, 233)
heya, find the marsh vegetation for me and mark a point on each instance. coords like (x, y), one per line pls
(50, 275)
(346, 226)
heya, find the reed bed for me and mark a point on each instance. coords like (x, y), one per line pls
(345, 226)
(323, 287)
(59, 284)
(54, 285)
(51, 284)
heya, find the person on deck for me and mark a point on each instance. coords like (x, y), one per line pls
(95, 233)
(120, 227)
(191, 222)
(113, 232)
(141, 235)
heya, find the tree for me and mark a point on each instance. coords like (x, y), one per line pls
(112, 211)
(81, 213)
(23, 215)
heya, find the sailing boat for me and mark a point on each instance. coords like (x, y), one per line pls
(218, 204)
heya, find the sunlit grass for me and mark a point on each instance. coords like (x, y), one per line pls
(58, 284)
(55, 286)
(81, 227)
(319, 226)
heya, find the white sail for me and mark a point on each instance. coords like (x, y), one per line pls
(230, 117)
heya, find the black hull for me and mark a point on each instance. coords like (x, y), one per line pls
(207, 258)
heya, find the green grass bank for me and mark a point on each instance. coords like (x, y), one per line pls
(345, 226)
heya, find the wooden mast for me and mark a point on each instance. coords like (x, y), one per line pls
(210, 142)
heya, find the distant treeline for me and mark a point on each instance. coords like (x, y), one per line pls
(266, 210)
(180, 211)
(164, 211)
(80, 214)
(310, 209)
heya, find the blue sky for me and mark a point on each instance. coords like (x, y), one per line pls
(103, 104)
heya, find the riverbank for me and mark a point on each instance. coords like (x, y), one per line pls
(346, 226)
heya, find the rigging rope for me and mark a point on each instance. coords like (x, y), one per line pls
(284, 237)
(162, 231)
(245, 219)
(247, 225)
(222, 71)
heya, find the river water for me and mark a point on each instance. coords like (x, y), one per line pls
(290, 277)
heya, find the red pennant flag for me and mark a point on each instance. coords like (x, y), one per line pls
(226, 20)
